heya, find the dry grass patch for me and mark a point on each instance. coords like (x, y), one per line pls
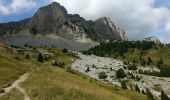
(13, 95)
(56, 84)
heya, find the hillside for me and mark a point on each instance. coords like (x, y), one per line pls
(135, 52)
(47, 81)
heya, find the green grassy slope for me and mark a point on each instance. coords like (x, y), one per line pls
(10, 70)
(47, 82)
(154, 54)
(55, 83)
(13, 95)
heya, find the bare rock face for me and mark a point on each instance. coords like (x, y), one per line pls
(107, 30)
(47, 18)
(54, 19)
(152, 39)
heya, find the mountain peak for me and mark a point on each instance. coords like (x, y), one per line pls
(54, 19)
(48, 17)
(105, 24)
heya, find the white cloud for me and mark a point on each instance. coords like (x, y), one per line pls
(15, 6)
(167, 32)
(137, 17)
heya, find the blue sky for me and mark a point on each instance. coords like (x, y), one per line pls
(21, 14)
(162, 3)
(140, 18)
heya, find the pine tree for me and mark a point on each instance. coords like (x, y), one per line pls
(40, 58)
(120, 74)
(149, 94)
(143, 92)
(137, 88)
(123, 85)
(143, 62)
(140, 57)
(149, 61)
(64, 50)
(164, 96)
(159, 63)
(27, 56)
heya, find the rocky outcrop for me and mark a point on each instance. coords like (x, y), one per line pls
(54, 19)
(153, 39)
(47, 18)
(107, 30)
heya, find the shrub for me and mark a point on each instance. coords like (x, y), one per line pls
(149, 94)
(17, 57)
(149, 61)
(2, 91)
(64, 50)
(143, 62)
(93, 66)
(137, 88)
(164, 96)
(123, 85)
(143, 92)
(59, 64)
(40, 58)
(125, 62)
(159, 63)
(137, 78)
(69, 70)
(27, 56)
(26, 45)
(132, 67)
(120, 74)
(165, 71)
(102, 75)
(132, 76)
(87, 70)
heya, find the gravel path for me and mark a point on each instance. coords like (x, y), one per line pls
(16, 85)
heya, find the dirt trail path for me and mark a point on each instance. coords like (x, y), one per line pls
(16, 85)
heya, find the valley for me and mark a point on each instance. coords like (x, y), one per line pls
(55, 55)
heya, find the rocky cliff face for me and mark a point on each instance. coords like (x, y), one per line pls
(55, 19)
(107, 30)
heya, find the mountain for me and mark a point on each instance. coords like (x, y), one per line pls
(54, 20)
(153, 39)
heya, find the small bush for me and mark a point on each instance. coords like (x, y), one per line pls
(149, 61)
(143, 62)
(102, 75)
(69, 70)
(149, 94)
(164, 96)
(59, 64)
(120, 74)
(165, 71)
(2, 91)
(93, 66)
(27, 56)
(64, 50)
(132, 67)
(17, 58)
(87, 70)
(137, 78)
(123, 85)
(40, 58)
(137, 88)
